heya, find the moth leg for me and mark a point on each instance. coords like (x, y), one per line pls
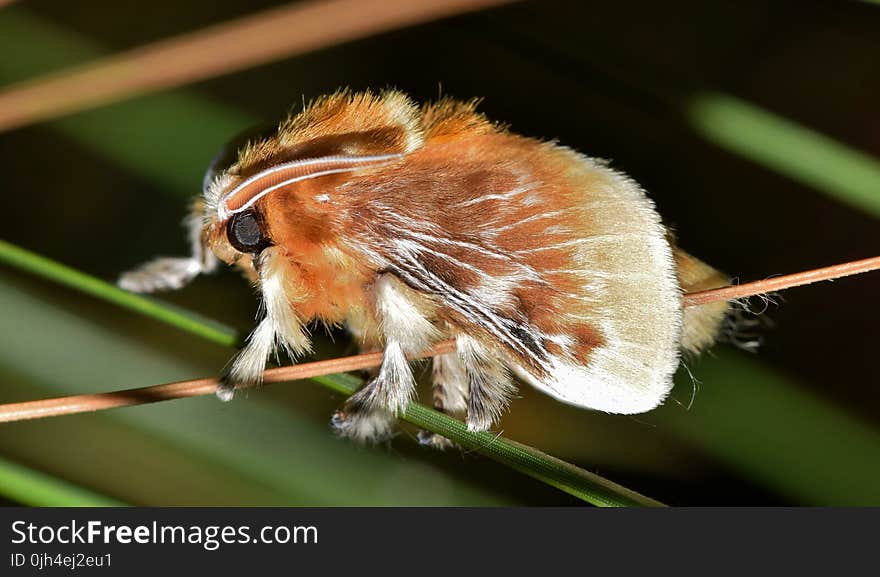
(357, 422)
(370, 414)
(279, 326)
(364, 330)
(246, 368)
(166, 273)
(449, 395)
(490, 385)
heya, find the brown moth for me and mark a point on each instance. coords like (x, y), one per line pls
(412, 225)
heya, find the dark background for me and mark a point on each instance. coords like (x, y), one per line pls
(795, 423)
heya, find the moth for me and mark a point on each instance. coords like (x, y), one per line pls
(415, 224)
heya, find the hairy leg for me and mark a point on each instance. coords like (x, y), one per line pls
(279, 326)
(369, 415)
(449, 395)
(489, 383)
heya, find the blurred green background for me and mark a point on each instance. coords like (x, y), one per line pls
(753, 125)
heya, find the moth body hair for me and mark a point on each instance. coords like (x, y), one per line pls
(449, 394)
(403, 315)
(212, 194)
(702, 325)
(246, 368)
(392, 387)
(743, 325)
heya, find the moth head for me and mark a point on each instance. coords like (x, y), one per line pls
(233, 236)
(277, 184)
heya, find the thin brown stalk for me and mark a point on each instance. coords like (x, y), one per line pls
(194, 388)
(782, 282)
(95, 402)
(229, 47)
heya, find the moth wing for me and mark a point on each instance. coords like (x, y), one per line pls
(621, 282)
(616, 379)
(596, 387)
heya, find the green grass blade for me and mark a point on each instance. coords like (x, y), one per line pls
(30, 487)
(185, 320)
(557, 473)
(548, 469)
(804, 155)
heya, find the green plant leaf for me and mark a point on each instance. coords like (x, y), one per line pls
(185, 320)
(789, 148)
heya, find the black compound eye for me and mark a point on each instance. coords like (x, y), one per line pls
(245, 233)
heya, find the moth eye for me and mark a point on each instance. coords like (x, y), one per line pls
(245, 232)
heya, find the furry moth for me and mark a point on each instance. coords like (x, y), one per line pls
(412, 225)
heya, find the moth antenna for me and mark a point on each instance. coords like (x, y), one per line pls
(252, 189)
